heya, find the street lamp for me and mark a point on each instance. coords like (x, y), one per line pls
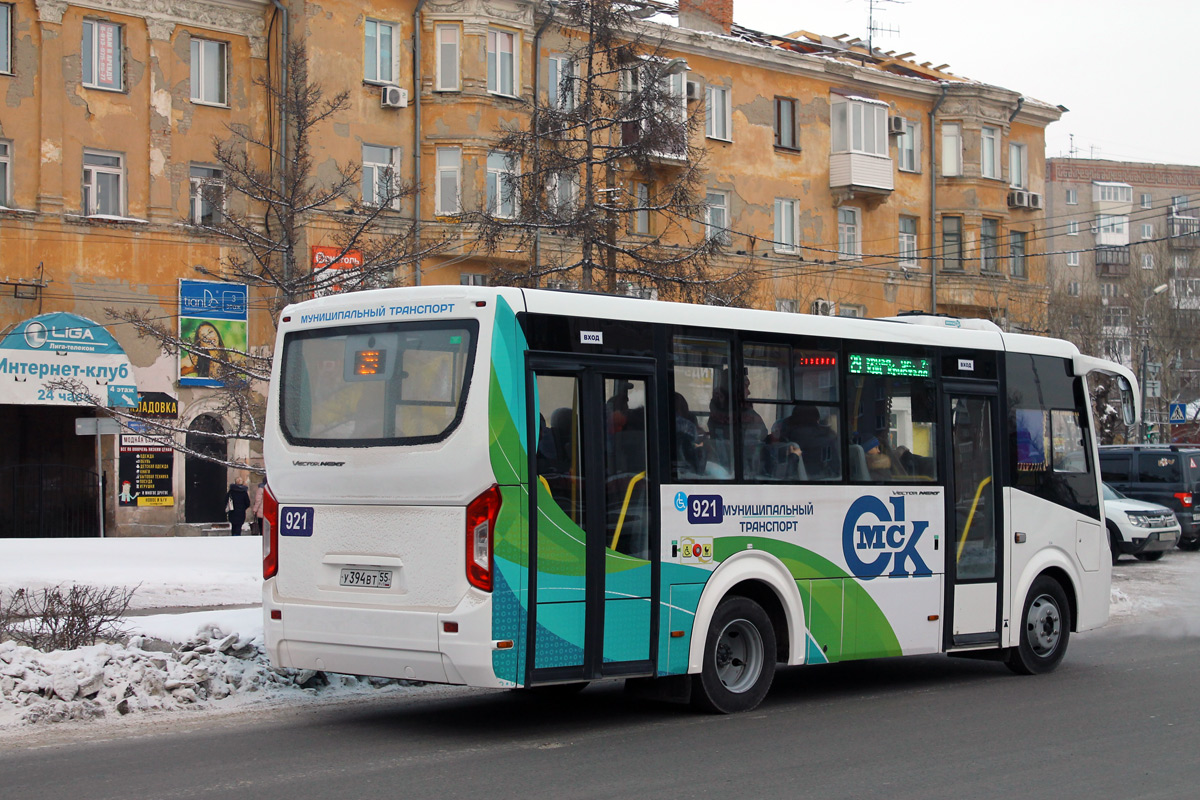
(1145, 353)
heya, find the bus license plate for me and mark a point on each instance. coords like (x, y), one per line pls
(370, 578)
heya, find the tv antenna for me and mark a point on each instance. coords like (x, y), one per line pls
(873, 28)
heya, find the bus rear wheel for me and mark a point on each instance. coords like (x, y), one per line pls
(1045, 629)
(739, 658)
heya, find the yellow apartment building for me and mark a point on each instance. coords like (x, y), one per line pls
(844, 180)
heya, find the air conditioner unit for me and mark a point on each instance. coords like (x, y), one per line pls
(897, 125)
(1018, 198)
(694, 90)
(393, 97)
(1035, 200)
(823, 308)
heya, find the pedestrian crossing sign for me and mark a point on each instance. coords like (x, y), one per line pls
(1178, 413)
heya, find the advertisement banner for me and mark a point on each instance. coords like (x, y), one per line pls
(213, 323)
(331, 272)
(60, 346)
(145, 469)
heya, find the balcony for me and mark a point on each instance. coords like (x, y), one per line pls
(1112, 262)
(1184, 232)
(861, 172)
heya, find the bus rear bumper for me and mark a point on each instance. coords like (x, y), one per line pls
(385, 643)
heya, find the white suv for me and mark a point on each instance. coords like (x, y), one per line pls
(1144, 530)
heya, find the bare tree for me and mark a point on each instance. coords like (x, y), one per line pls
(605, 178)
(266, 203)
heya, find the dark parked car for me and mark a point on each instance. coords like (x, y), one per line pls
(1158, 473)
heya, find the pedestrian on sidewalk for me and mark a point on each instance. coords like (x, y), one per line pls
(237, 500)
(256, 510)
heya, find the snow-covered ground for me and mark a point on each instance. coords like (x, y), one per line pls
(212, 660)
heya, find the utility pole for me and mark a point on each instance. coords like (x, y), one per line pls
(1145, 354)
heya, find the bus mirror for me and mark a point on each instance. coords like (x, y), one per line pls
(1128, 401)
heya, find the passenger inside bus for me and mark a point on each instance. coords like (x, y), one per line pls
(816, 441)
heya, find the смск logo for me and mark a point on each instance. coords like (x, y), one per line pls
(874, 537)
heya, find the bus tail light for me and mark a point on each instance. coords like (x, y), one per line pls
(270, 534)
(481, 524)
(1185, 498)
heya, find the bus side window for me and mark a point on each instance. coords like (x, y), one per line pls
(700, 375)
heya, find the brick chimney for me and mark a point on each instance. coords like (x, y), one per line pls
(714, 16)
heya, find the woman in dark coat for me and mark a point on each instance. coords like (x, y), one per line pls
(237, 500)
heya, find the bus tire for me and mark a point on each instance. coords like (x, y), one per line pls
(1044, 630)
(739, 658)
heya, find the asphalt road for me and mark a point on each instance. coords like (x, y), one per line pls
(1118, 719)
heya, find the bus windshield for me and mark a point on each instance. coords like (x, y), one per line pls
(391, 384)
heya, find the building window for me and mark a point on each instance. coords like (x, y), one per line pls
(1147, 230)
(787, 306)
(209, 66)
(641, 217)
(1110, 192)
(5, 174)
(501, 186)
(909, 147)
(502, 62)
(1073, 289)
(1073, 258)
(1180, 202)
(447, 58)
(951, 149)
(1017, 166)
(562, 193)
(717, 120)
(472, 279)
(207, 196)
(560, 87)
(716, 217)
(849, 242)
(952, 242)
(447, 195)
(1146, 202)
(859, 126)
(1016, 254)
(785, 225)
(379, 52)
(5, 38)
(1147, 260)
(989, 152)
(103, 184)
(1180, 261)
(989, 236)
(1072, 197)
(849, 310)
(1073, 227)
(1109, 291)
(102, 55)
(785, 123)
(379, 183)
(908, 241)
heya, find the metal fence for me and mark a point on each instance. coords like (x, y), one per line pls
(48, 500)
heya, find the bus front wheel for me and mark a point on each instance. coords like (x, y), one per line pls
(1045, 629)
(739, 658)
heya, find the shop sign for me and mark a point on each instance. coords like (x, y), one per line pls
(64, 347)
(145, 469)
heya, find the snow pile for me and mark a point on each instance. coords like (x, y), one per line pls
(149, 675)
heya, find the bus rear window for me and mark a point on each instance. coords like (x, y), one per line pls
(392, 384)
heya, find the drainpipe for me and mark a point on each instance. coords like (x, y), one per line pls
(1017, 110)
(933, 169)
(537, 93)
(417, 138)
(283, 122)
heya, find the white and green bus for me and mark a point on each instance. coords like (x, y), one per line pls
(501, 487)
